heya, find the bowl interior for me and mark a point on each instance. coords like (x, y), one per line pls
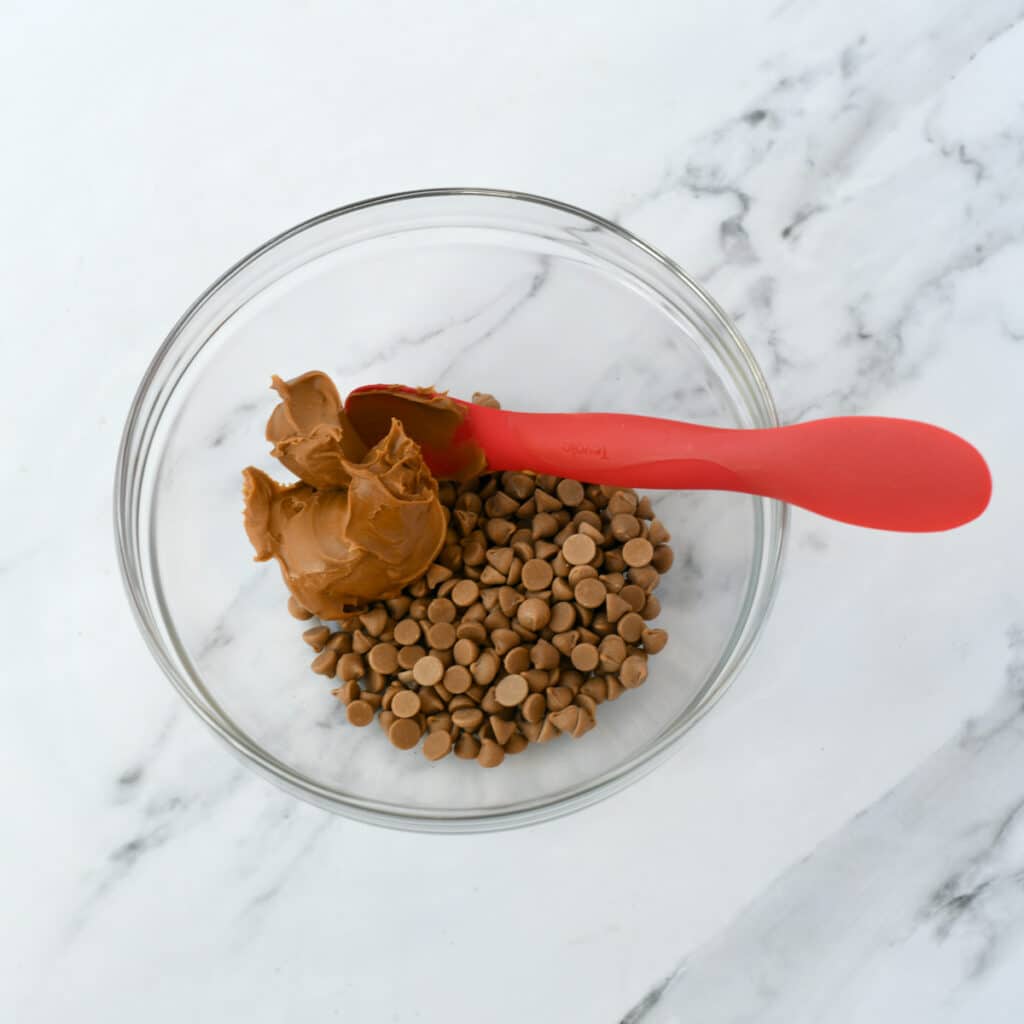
(547, 314)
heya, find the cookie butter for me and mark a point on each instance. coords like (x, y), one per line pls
(362, 523)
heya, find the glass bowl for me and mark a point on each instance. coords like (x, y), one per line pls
(544, 305)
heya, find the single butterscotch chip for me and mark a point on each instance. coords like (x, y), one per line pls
(616, 606)
(361, 642)
(325, 662)
(317, 637)
(622, 501)
(428, 670)
(565, 642)
(657, 534)
(637, 552)
(383, 658)
(544, 655)
(646, 577)
(534, 707)
(408, 656)
(467, 747)
(297, 611)
(579, 549)
(457, 679)
(499, 530)
(489, 702)
(406, 704)
(418, 609)
(544, 525)
(347, 692)
(441, 610)
(359, 712)
(537, 574)
(465, 593)
(430, 701)
(590, 592)
(584, 657)
(663, 558)
(441, 636)
(407, 632)
(563, 617)
(558, 697)
(512, 691)
(613, 581)
(614, 686)
(519, 485)
(613, 560)
(531, 730)
(570, 492)
(630, 627)
(491, 754)
(351, 666)
(405, 733)
(611, 653)
(516, 743)
(566, 719)
(633, 671)
(625, 527)
(374, 621)
(441, 722)
(437, 574)
(652, 608)
(538, 679)
(654, 640)
(340, 642)
(634, 596)
(469, 719)
(437, 745)
(472, 629)
(465, 651)
(644, 509)
(595, 533)
(503, 729)
(386, 719)
(533, 613)
(527, 510)
(596, 688)
(561, 590)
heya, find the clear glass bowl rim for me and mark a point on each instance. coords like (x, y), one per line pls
(772, 530)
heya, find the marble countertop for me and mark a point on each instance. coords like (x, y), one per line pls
(843, 838)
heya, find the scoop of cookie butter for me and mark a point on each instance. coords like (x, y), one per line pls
(361, 525)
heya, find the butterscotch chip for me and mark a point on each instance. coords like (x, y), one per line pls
(630, 627)
(512, 691)
(519, 485)
(383, 658)
(324, 663)
(625, 527)
(558, 697)
(373, 699)
(465, 651)
(516, 743)
(430, 701)
(443, 655)
(561, 590)
(616, 606)
(419, 588)
(405, 733)
(297, 611)
(565, 642)
(533, 613)
(469, 719)
(613, 581)
(657, 534)
(428, 670)
(584, 723)
(537, 574)
(470, 629)
(441, 610)
(593, 532)
(612, 653)
(654, 640)
(351, 666)
(538, 679)
(615, 688)
(347, 692)
(566, 719)
(467, 747)
(584, 657)
(517, 660)
(317, 637)
(570, 492)
(634, 596)
(652, 608)
(406, 704)
(408, 656)
(441, 636)
(544, 525)
(374, 621)
(579, 549)
(503, 730)
(485, 668)
(464, 593)
(586, 703)
(646, 577)
(546, 502)
(499, 531)
(622, 501)
(544, 655)
(437, 574)
(441, 722)
(531, 730)
(663, 558)
(534, 707)
(457, 679)
(359, 713)
(501, 505)
(527, 510)
(461, 700)
(560, 565)
(613, 561)
(407, 632)
(466, 521)
(637, 552)
(590, 592)
(491, 754)
(437, 745)
(376, 681)
(361, 642)
(581, 572)
(386, 719)
(340, 642)
(633, 671)
(489, 702)
(563, 616)
(595, 688)
(418, 609)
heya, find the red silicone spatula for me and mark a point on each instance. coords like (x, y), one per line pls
(891, 474)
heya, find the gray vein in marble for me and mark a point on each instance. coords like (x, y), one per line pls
(939, 859)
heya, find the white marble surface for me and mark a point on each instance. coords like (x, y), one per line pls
(843, 839)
